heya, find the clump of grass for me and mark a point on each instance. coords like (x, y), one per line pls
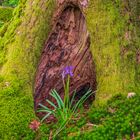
(64, 110)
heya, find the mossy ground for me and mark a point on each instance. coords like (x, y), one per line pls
(118, 120)
(21, 42)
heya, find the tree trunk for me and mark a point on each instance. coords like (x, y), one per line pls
(67, 45)
(114, 44)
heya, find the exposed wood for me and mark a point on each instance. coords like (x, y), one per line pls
(67, 45)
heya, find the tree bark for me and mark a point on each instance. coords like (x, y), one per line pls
(68, 45)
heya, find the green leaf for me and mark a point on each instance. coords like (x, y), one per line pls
(41, 110)
(58, 98)
(83, 99)
(46, 116)
(52, 104)
(45, 107)
(71, 102)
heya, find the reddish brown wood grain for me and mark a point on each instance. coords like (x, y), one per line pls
(68, 45)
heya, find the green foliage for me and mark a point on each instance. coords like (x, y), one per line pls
(5, 13)
(64, 110)
(12, 3)
(1, 23)
(20, 47)
(117, 120)
(16, 100)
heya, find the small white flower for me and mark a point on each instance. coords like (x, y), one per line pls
(131, 94)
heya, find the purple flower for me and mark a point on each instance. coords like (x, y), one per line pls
(68, 70)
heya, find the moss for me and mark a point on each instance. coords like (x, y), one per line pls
(21, 42)
(1, 24)
(5, 13)
(115, 71)
(7, 32)
(105, 28)
(16, 113)
(3, 29)
(136, 35)
(119, 119)
(20, 47)
(11, 3)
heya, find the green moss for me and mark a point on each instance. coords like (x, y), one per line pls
(21, 42)
(119, 119)
(5, 13)
(107, 26)
(21, 46)
(11, 3)
(15, 112)
(136, 35)
(1, 24)
(3, 29)
(10, 27)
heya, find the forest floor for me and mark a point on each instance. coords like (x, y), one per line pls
(119, 119)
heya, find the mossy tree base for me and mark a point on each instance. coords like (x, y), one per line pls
(114, 45)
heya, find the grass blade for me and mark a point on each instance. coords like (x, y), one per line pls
(52, 104)
(46, 116)
(45, 107)
(82, 100)
(71, 102)
(41, 110)
(57, 98)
